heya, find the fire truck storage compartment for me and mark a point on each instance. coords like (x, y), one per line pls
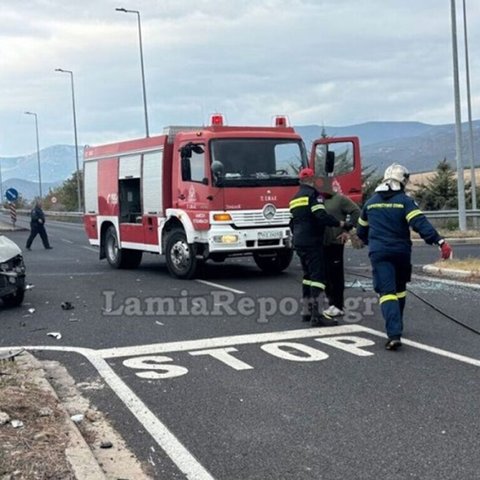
(129, 189)
(91, 187)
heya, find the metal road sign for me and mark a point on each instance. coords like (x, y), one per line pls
(11, 194)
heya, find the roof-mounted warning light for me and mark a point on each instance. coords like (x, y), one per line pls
(281, 121)
(217, 120)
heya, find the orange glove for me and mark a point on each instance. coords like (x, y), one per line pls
(446, 251)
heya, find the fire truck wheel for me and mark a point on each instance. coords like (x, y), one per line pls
(120, 257)
(273, 263)
(180, 256)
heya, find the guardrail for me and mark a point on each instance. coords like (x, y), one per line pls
(451, 213)
(48, 213)
(430, 214)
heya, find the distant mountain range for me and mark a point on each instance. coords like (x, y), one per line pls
(418, 146)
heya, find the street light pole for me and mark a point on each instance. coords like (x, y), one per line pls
(79, 187)
(38, 154)
(141, 64)
(462, 217)
(473, 179)
(1, 185)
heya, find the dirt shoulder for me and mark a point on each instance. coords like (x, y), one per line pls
(34, 433)
(38, 438)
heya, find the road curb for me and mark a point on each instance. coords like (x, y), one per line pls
(450, 272)
(453, 241)
(78, 453)
(5, 227)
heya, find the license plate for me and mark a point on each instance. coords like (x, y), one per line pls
(270, 235)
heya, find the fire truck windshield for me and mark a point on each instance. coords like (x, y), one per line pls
(257, 161)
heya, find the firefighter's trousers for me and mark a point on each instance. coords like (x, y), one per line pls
(391, 273)
(312, 261)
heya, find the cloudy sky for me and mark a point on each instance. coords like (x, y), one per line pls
(331, 62)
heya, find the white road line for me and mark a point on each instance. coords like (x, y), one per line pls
(92, 249)
(222, 287)
(67, 241)
(445, 281)
(428, 348)
(165, 439)
(184, 460)
(247, 339)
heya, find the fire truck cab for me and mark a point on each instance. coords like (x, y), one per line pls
(203, 193)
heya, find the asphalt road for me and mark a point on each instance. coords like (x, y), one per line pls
(218, 378)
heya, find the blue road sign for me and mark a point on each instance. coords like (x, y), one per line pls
(11, 194)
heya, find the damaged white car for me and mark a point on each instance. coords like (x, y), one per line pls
(12, 273)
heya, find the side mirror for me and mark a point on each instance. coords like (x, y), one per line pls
(218, 171)
(186, 150)
(330, 162)
(186, 170)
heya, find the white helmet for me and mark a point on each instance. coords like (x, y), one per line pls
(397, 173)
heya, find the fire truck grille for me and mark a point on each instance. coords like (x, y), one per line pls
(250, 218)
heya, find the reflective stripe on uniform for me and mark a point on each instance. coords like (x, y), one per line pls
(387, 298)
(298, 202)
(307, 282)
(317, 285)
(362, 222)
(413, 214)
(401, 294)
(318, 207)
(385, 205)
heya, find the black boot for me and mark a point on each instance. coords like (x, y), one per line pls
(319, 319)
(306, 309)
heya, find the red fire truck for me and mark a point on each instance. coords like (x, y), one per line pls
(199, 193)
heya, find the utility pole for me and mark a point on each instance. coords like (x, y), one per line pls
(462, 218)
(473, 179)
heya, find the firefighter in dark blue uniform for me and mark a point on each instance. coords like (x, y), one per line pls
(309, 219)
(37, 227)
(384, 225)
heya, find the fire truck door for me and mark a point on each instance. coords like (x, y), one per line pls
(346, 175)
(193, 186)
(130, 218)
(152, 195)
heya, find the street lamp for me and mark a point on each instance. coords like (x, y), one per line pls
(141, 64)
(1, 185)
(473, 179)
(462, 217)
(38, 154)
(79, 191)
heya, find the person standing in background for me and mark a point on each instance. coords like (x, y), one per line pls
(37, 227)
(343, 209)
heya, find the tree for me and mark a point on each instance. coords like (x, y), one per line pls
(370, 181)
(66, 195)
(440, 191)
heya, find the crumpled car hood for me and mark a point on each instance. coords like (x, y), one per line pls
(8, 249)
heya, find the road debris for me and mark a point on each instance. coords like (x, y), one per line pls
(55, 335)
(77, 418)
(16, 423)
(4, 418)
(31, 310)
(106, 445)
(67, 306)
